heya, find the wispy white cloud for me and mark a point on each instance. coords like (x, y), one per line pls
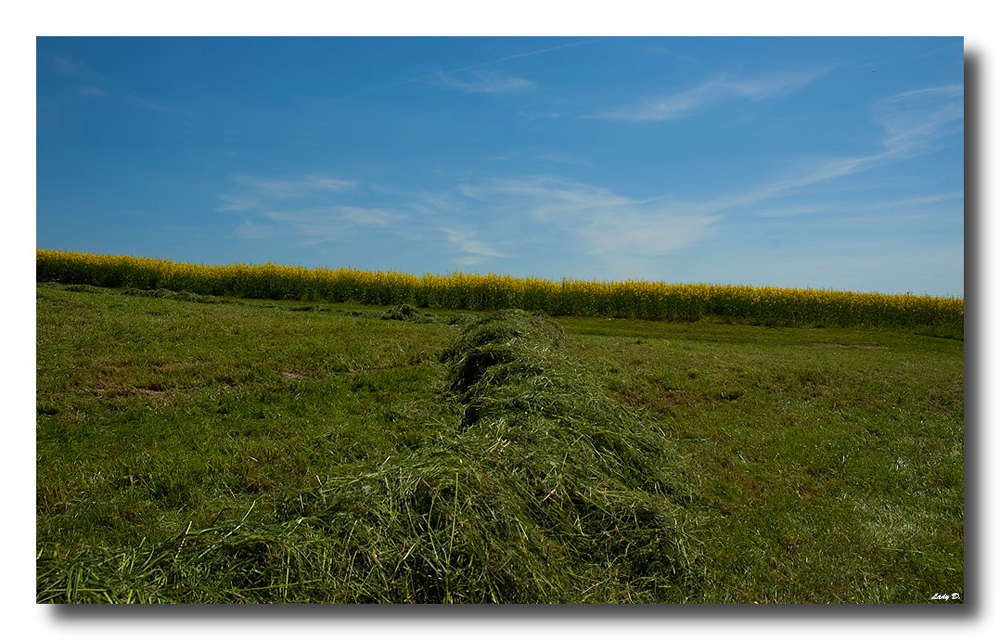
(64, 65)
(259, 192)
(646, 231)
(535, 114)
(306, 209)
(492, 220)
(467, 241)
(897, 204)
(449, 74)
(435, 203)
(95, 85)
(720, 89)
(71, 67)
(309, 185)
(539, 153)
(315, 225)
(551, 199)
(617, 227)
(250, 230)
(672, 107)
(603, 222)
(774, 84)
(525, 54)
(238, 202)
(358, 216)
(820, 171)
(915, 120)
(486, 81)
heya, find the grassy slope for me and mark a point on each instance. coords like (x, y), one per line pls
(819, 472)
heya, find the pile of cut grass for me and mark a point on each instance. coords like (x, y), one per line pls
(545, 492)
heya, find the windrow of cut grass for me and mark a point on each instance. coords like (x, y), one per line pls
(634, 299)
(545, 492)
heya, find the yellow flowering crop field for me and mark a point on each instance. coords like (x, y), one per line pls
(636, 299)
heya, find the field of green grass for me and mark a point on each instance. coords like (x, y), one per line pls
(201, 449)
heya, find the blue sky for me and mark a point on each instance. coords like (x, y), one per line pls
(804, 162)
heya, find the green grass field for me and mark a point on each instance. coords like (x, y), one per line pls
(200, 449)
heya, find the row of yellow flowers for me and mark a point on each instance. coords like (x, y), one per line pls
(627, 299)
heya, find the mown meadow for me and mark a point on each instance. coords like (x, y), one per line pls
(214, 444)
